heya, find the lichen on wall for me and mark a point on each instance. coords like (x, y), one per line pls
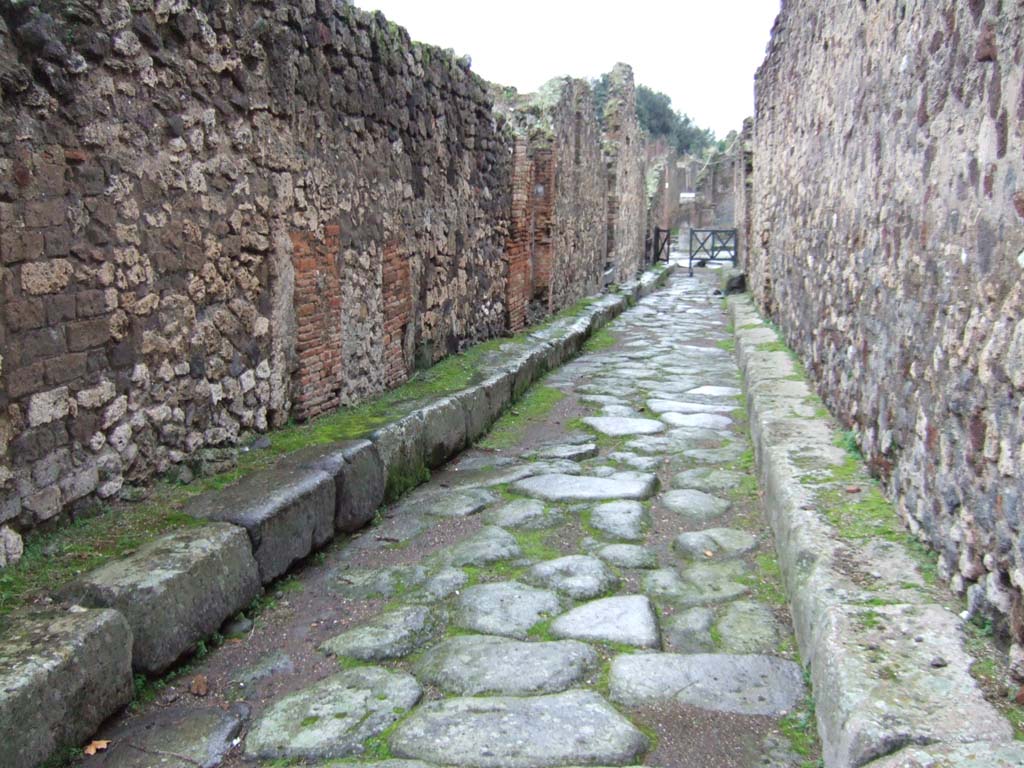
(887, 240)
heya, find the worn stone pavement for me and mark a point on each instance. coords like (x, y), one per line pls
(602, 593)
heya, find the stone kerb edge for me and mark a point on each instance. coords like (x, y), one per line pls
(450, 424)
(848, 722)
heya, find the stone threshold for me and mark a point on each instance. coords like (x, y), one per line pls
(887, 659)
(142, 613)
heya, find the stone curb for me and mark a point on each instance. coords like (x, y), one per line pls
(887, 661)
(181, 587)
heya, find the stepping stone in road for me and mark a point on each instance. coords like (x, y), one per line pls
(620, 519)
(570, 452)
(391, 635)
(697, 420)
(505, 608)
(562, 487)
(696, 506)
(472, 665)
(578, 576)
(747, 627)
(718, 542)
(621, 426)
(332, 718)
(628, 556)
(525, 514)
(690, 631)
(202, 736)
(626, 619)
(744, 685)
(707, 479)
(445, 502)
(571, 728)
(488, 545)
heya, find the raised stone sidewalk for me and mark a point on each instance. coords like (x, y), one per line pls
(885, 649)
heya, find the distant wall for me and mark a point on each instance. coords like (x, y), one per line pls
(888, 243)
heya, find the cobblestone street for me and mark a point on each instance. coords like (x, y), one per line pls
(592, 585)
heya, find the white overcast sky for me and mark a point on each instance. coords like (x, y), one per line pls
(702, 53)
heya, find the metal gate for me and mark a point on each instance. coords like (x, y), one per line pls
(713, 245)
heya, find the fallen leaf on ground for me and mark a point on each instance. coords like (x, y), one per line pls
(199, 686)
(97, 745)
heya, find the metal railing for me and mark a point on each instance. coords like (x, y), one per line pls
(713, 245)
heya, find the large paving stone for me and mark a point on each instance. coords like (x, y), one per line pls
(563, 487)
(983, 754)
(365, 583)
(175, 591)
(62, 673)
(287, 513)
(746, 685)
(694, 505)
(445, 502)
(708, 479)
(626, 619)
(358, 474)
(697, 420)
(628, 556)
(572, 452)
(525, 514)
(711, 391)
(578, 576)
(678, 406)
(689, 631)
(747, 627)
(620, 519)
(471, 665)
(167, 738)
(622, 426)
(334, 717)
(716, 542)
(705, 585)
(391, 635)
(505, 608)
(571, 728)
(488, 545)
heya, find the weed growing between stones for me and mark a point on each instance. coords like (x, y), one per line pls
(992, 674)
(600, 341)
(533, 406)
(800, 729)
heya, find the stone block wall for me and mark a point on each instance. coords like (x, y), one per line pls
(215, 219)
(743, 186)
(888, 243)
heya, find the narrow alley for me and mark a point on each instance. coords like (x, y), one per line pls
(593, 584)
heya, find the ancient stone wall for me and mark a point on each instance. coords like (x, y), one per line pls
(214, 220)
(742, 189)
(556, 249)
(624, 156)
(888, 243)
